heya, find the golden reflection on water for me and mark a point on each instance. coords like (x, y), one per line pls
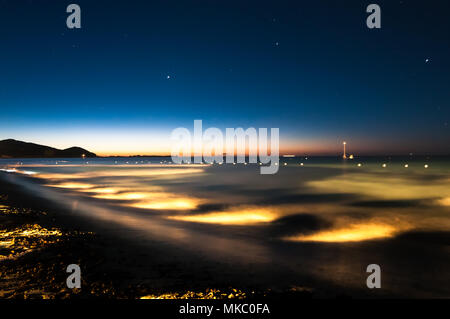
(379, 187)
(177, 203)
(356, 232)
(364, 185)
(144, 200)
(143, 172)
(104, 190)
(444, 201)
(246, 216)
(352, 221)
(383, 187)
(122, 196)
(153, 200)
(157, 198)
(71, 185)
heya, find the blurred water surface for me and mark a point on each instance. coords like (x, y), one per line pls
(322, 218)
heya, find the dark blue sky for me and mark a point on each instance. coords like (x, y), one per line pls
(311, 68)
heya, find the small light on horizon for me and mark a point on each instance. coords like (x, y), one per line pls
(406, 165)
(426, 166)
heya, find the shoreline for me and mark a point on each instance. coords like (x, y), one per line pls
(111, 267)
(117, 263)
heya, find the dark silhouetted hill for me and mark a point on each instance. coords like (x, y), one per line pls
(17, 149)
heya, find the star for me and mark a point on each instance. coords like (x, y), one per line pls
(277, 43)
(427, 60)
(168, 77)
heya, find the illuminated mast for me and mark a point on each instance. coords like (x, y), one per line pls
(345, 155)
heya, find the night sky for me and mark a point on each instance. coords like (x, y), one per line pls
(138, 69)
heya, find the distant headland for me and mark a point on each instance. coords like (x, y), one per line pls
(11, 148)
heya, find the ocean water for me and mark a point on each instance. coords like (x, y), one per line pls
(321, 220)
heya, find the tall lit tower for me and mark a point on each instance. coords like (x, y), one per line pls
(345, 155)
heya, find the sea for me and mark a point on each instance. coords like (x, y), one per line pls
(323, 220)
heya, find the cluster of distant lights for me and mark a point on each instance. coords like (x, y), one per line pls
(30, 173)
(384, 165)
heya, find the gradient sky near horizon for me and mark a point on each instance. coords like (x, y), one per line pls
(136, 70)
